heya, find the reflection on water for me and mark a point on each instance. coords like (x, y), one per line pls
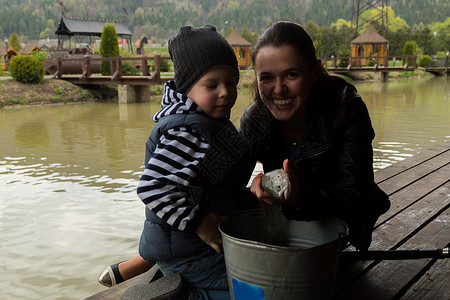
(409, 116)
(68, 174)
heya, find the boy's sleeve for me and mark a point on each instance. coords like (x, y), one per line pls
(165, 184)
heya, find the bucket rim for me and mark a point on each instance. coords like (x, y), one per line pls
(250, 243)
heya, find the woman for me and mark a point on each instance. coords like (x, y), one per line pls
(318, 129)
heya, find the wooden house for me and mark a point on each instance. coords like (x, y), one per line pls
(28, 49)
(241, 47)
(370, 43)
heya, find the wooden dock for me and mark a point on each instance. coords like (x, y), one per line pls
(419, 189)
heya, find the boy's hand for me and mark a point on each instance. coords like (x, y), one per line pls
(209, 232)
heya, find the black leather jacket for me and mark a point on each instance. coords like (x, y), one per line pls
(332, 161)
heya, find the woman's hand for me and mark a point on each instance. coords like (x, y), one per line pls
(208, 231)
(258, 191)
(294, 198)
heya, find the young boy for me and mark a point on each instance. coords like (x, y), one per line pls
(192, 178)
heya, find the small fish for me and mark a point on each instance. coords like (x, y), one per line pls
(277, 184)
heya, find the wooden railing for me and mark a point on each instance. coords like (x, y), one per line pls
(116, 70)
(374, 63)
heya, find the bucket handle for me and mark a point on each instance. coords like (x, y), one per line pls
(395, 254)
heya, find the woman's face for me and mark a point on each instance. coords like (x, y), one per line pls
(284, 80)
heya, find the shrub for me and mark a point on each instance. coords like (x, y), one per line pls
(14, 42)
(109, 47)
(27, 69)
(165, 66)
(409, 49)
(41, 55)
(129, 70)
(424, 61)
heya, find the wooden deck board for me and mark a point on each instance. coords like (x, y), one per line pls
(434, 284)
(419, 158)
(416, 192)
(391, 279)
(419, 189)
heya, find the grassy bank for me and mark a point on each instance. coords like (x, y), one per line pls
(55, 91)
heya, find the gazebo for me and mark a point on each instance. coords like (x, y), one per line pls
(370, 43)
(78, 27)
(241, 48)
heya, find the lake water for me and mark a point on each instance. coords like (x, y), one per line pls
(68, 174)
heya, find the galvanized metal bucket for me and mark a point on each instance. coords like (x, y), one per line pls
(305, 269)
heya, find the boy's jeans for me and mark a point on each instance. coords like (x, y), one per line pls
(205, 273)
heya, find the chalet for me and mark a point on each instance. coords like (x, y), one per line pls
(27, 49)
(370, 43)
(241, 47)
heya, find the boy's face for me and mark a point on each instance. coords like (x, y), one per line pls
(215, 92)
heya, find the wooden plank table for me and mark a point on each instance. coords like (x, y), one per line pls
(419, 190)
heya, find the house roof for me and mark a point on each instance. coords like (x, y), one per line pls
(48, 43)
(235, 39)
(69, 26)
(28, 48)
(370, 36)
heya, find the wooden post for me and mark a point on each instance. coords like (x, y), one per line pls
(446, 64)
(111, 67)
(58, 68)
(118, 69)
(157, 74)
(119, 66)
(144, 66)
(88, 67)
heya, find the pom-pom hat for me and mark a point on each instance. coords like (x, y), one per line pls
(194, 51)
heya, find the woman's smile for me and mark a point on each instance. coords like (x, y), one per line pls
(284, 81)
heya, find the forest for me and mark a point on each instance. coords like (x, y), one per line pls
(425, 22)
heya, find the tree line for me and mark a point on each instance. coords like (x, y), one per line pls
(158, 20)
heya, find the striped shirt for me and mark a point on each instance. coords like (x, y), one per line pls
(174, 165)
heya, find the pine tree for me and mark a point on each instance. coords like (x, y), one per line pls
(109, 47)
(14, 42)
(409, 49)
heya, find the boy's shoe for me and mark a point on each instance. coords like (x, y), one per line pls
(154, 285)
(111, 276)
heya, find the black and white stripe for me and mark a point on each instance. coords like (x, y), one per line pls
(174, 103)
(174, 165)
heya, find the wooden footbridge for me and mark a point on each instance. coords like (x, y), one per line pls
(383, 64)
(377, 64)
(85, 70)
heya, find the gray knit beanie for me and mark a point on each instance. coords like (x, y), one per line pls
(194, 51)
